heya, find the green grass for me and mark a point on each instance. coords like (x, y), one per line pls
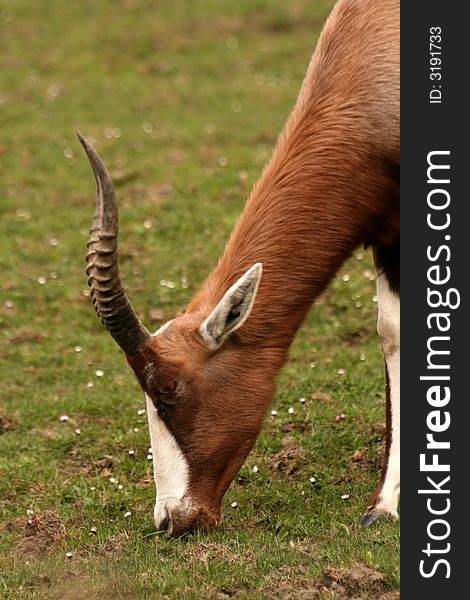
(170, 92)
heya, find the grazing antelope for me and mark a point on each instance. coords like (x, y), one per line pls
(332, 184)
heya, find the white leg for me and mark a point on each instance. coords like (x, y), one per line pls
(385, 501)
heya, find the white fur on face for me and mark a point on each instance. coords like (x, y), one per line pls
(170, 468)
(163, 327)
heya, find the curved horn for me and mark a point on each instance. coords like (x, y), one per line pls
(109, 298)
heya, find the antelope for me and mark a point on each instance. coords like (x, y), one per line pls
(331, 185)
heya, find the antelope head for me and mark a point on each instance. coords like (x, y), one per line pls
(207, 389)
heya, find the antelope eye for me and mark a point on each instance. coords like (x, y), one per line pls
(166, 396)
(167, 389)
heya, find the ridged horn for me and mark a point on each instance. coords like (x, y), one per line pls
(109, 298)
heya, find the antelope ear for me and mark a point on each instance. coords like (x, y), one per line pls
(234, 308)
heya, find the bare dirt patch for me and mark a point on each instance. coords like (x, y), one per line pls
(356, 338)
(38, 533)
(76, 585)
(366, 460)
(290, 458)
(115, 544)
(359, 582)
(214, 551)
(301, 426)
(102, 466)
(6, 424)
(27, 336)
(145, 482)
(76, 463)
(321, 397)
(159, 192)
(375, 430)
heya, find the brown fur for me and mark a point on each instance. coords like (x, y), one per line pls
(331, 184)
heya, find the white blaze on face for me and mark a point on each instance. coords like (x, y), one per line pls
(170, 468)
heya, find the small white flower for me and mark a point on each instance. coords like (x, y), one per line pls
(344, 496)
(232, 43)
(99, 373)
(234, 504)
(255, 469)
(291, 411)
(68, 554)
(127, 513)
(274, 413)
(141, 412)
(53, 90)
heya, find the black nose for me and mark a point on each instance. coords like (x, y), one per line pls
(165, 523)
(169, 527)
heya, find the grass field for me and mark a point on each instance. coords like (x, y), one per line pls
(184, 101)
